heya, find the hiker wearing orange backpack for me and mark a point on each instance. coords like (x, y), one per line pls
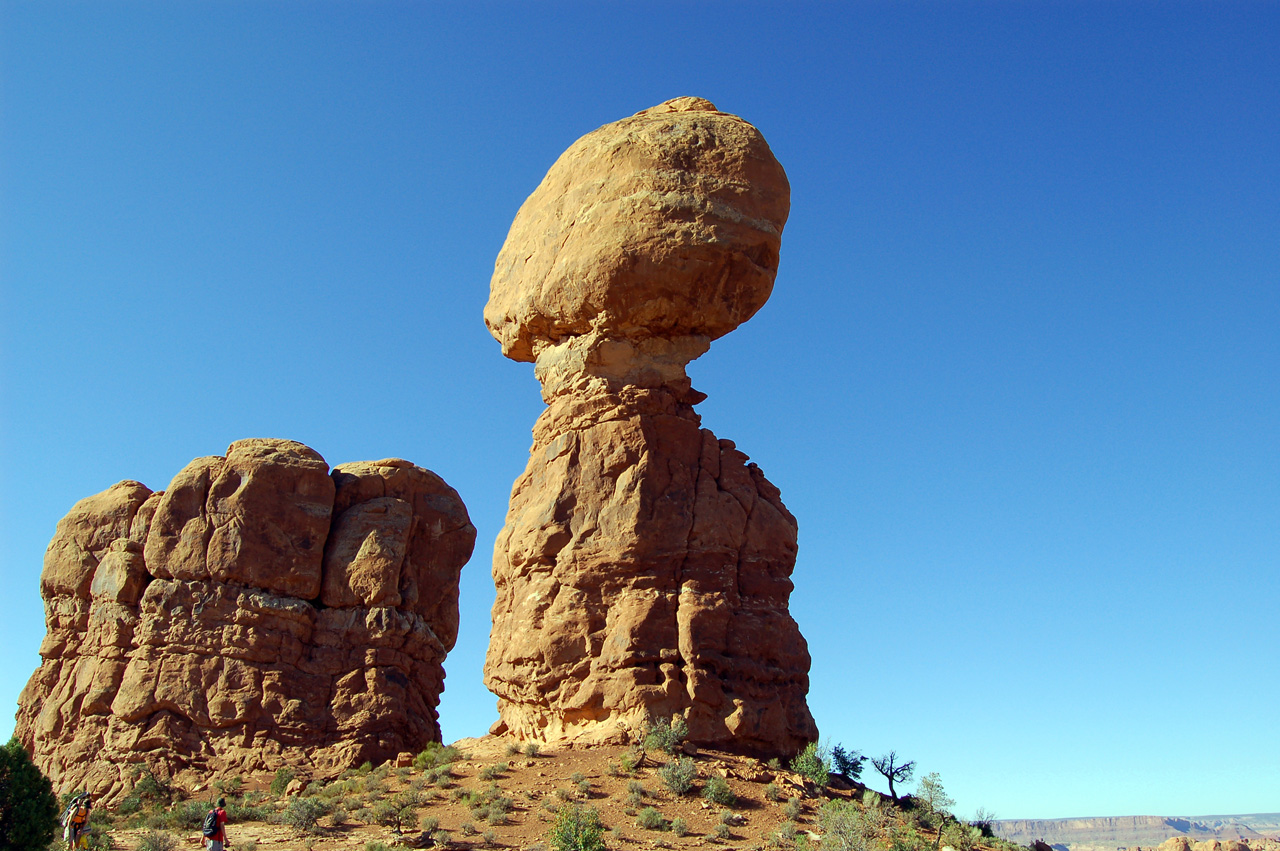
(75, 821)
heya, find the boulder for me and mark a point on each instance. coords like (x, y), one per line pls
(644, 567)
(261, 611)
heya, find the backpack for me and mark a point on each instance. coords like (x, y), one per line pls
(210, 826)
(81, 816)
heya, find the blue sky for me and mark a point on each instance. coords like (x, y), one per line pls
(1017, 379)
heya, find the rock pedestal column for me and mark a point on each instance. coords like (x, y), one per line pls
(644, 568)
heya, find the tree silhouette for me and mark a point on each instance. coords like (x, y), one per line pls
(893, 772)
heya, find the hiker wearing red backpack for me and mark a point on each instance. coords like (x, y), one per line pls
(214, 828)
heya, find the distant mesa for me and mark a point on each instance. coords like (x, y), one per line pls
(644, 568)
(262, 610)
(1258, 832)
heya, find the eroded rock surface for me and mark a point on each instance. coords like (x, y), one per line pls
(644, 568)
(260, 611)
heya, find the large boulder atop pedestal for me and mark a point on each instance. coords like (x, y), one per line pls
(667, 224)
(644, 568)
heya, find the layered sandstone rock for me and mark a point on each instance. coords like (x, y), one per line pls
(262, 610)
(644, 568)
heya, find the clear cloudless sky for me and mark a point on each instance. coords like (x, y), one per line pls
(1017, 379)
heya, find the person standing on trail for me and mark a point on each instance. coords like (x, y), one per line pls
(215, 827)
(78, 820)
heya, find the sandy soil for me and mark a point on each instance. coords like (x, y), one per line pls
(539, 784)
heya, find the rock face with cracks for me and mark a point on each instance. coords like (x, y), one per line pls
(263, 610)
(644, 568)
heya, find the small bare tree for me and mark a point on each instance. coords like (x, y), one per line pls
(893, 771)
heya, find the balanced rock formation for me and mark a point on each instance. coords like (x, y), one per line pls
(263, 610)
(644, 568)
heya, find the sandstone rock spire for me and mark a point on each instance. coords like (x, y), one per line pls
(644, 568)
(263, 610)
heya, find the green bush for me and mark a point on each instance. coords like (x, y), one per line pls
(666, 735)
(576, 829)
(435, 755)
(679, 827)
(303, 813)
(279, 783)
(28, 807)
(651, 819)
(375, 845)
(184, 815)
(793, 808)
(155, 840)
(429, 824)
(848, 764)
(772, 793)
(532, 750)
(811, 763)
(717, 791)
(678, 775)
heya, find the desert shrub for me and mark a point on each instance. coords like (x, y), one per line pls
(513, 749)
(584, 788)
(728, 817)
(156, 840)
(847, 827)
(186, 815)
(532, 750)
(771, 793)
(407, 798)
(616, 833)
(440, 838)
(811, 763)
(961, 837)
(679, 827)
(722, 831)
(678, 775)
(302, 813)
(717, 791)
(635, 787)
(576, 828)
(793, 808)
(634, 799)
(499, 808)
(848, 764)
(28, 808)
(468, 829)
(279, 783)
(984, 821)
(434, 755)
(374, 845)
(490, 837)
(242, 811)
(651, 819)
(666, 735)
(631, 760)
(564, 794)
(338, 816)
(229, 786)
(493, 772)
(429, 824)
